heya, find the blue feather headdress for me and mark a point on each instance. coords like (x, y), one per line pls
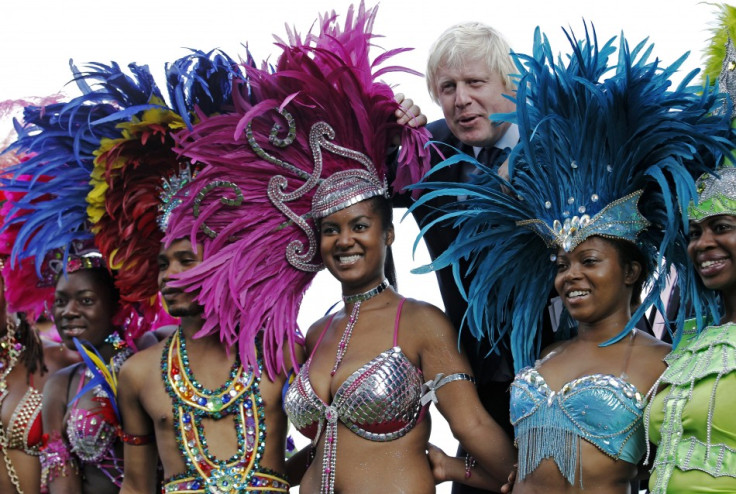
(604, 150)
(60, 141)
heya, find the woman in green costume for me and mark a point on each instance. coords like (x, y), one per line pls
(692, 419)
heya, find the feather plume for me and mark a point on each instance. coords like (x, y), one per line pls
(102, 377)
(723, 28)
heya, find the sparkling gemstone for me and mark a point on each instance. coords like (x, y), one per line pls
(548, 205)
(567, 244)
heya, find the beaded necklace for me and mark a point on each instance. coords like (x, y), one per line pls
(356, 299)
(239, 396)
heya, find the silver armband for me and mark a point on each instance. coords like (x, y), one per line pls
(429, 389)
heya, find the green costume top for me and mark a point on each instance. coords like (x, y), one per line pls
(693, 417)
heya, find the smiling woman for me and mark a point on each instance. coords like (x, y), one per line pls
(349, 240)
(692, 412)
(84, 451)
(84, 304)
(367, 362)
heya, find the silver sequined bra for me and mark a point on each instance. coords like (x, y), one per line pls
(379, 402)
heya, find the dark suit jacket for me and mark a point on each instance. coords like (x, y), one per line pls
(495, 367)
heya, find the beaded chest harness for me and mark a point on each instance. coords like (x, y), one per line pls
(192, 402)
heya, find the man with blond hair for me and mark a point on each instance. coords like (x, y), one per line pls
(469, 76)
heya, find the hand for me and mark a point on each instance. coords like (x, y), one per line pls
(509, 485)
(409, 113)
(437, 459)
(503, 170)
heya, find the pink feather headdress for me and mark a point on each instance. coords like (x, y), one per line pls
(322, 111)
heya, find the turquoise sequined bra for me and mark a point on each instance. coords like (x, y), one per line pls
(602, 409)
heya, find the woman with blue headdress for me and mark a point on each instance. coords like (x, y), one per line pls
(594, 206)
(691, 417)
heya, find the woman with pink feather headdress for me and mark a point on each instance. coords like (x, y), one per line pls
(294, 181)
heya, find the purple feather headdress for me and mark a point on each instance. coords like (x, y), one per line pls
(321, 111)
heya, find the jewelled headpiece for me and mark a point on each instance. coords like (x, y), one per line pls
(716, 194)
(80, 255)
(343, 189)
(596, 141)
(305, 138)
(169, 199)
(619, 219)
(94, 171)
(727, 77)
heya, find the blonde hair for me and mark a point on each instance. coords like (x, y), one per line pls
(465, 42)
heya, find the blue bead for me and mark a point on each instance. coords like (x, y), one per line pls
(225, 398)
(202, 401)
(186, 419)
(195, 485)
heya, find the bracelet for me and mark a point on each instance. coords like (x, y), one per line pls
(469, 464)
(134, 439)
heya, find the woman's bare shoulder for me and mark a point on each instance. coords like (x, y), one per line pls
(423, 310)
(652, 346)
(315, 330)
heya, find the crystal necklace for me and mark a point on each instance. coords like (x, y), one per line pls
(356, 299)
(239, 396)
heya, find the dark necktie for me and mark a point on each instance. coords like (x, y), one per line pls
(489, 155)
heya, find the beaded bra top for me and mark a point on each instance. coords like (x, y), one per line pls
(381, 401)
(24, 428)
(602, 409)
(92, 433)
